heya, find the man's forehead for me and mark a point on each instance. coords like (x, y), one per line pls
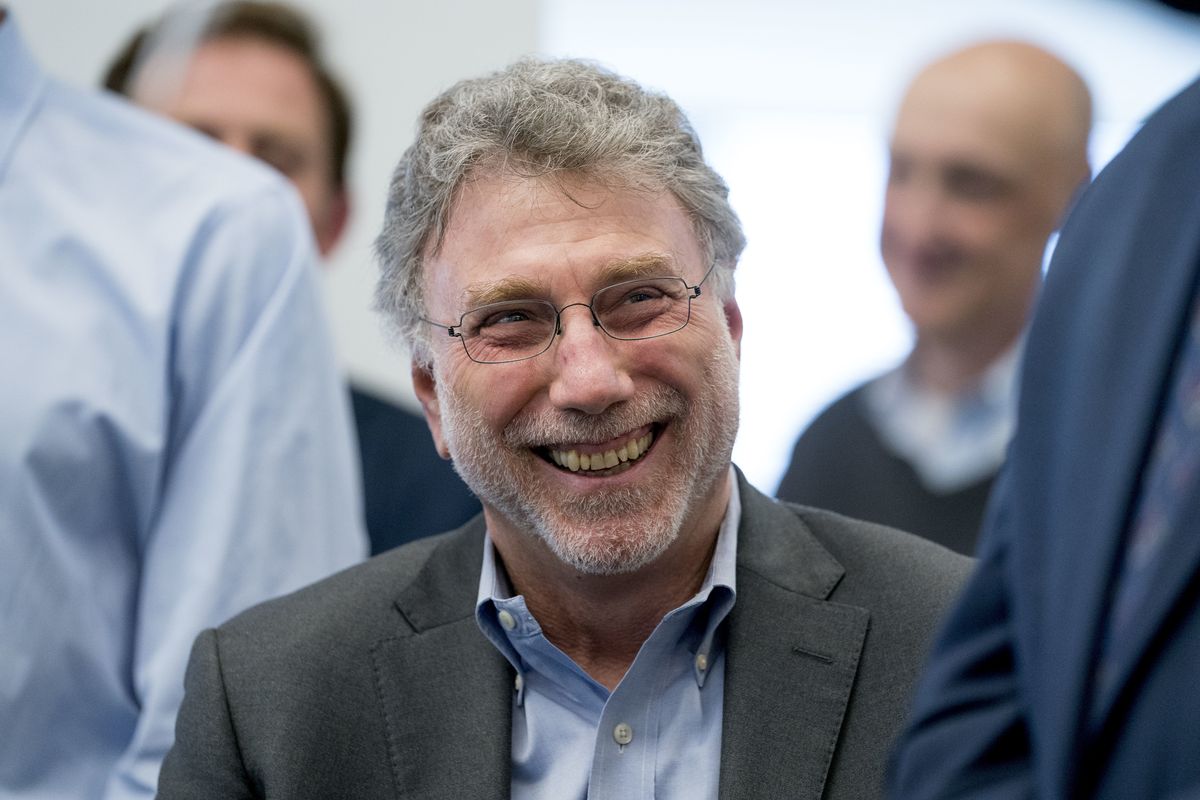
(497, 184)
(548, 231)
(954, 129)
(1003, 100)
(252, 76)
(541, 286)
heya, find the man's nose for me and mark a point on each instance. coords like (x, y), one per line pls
(589, 368)
(914, 216)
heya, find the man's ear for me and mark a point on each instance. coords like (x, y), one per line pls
(329, 230)
(733, 318)
(425, 387)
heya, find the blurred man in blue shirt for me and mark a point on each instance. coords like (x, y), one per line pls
(252, 76)
(175, 443)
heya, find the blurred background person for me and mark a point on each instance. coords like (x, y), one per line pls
(175, 441)
(1068, 667)
(989, 148)
(252, 76)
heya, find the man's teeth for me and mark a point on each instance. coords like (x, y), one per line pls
(575, 461)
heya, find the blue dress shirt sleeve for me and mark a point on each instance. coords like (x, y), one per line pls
(175, 438)
(260, 486)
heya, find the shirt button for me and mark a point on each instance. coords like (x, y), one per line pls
(622, 734)
(520, 682)
(507, 620)
(701, 662)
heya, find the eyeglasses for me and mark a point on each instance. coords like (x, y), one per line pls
(514, 330)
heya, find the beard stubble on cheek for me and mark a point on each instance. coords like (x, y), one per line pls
(617, 529)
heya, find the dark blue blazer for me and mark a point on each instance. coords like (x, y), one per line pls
(409, 491)
(1002, 710)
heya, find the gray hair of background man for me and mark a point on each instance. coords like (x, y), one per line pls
(541, 119)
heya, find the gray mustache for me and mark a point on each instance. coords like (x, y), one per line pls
(558, 426)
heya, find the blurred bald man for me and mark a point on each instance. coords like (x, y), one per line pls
(988, 150)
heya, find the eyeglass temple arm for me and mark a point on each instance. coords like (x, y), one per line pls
(449, 329)
(696, 289)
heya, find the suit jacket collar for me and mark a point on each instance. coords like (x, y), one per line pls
(774, 545)
(791, 658)
(791, 661)
(446, 693)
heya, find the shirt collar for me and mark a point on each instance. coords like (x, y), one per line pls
(21, 86)
(951, 440)
(717, 592)
(994, 387)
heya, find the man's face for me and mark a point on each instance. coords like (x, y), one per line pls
(262, 99)
(969, 207)
(503, 424)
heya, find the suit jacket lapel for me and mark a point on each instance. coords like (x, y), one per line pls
(1080, 577)
(1130, 330)
(446, 693)
(1172, 577)
(791, 658)
(791, 661)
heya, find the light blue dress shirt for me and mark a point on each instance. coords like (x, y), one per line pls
(657, 735)
(951, 440)
(175, 441)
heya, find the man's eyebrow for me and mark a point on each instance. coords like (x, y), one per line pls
(498, 291)
(648, 265)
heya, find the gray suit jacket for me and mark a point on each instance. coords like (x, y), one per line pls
(377, 683)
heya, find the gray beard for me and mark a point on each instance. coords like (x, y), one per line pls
(621, 530)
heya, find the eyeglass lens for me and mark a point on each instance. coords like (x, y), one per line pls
(518, 329)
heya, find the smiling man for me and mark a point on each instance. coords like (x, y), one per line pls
(629, 618)
(989, 148)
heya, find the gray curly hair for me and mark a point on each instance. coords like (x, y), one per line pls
(543, 118)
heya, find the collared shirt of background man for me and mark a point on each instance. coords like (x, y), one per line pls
(629, 618)
(988, 150)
